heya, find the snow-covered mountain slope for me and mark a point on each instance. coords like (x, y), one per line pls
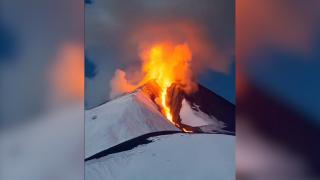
(128, 138)
(122, 119)
(202, 111)
(194, 117)
(170, 157)
(191, 115)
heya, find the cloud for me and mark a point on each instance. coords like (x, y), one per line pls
(205, 52)
(119, 84)
(116, 30)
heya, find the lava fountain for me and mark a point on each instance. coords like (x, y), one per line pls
(166, 64)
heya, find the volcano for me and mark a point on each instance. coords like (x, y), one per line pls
(129, 137)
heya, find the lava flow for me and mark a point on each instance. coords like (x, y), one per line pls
(167, 63)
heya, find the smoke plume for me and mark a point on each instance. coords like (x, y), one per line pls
(119, 84)
(175, 39)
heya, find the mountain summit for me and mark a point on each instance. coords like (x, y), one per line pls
(129, 137)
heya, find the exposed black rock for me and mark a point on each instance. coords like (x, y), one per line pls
(130, 144)
(208, 102)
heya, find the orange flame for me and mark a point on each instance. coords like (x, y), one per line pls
(167, 63)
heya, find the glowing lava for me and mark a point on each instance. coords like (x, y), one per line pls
(166, 109)
(167, 63)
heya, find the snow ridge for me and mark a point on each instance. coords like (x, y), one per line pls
(122, 119)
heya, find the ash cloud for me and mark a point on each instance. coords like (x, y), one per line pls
(115, 31)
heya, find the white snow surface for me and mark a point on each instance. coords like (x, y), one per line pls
(197, 118)
(170, 157)
(122, 119)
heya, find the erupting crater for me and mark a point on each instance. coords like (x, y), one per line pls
(166, 64)
(169, 103)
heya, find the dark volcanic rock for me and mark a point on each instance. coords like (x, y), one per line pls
(208, 102)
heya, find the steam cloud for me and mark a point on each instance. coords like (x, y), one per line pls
(119, 84)
(116, 30)
(205, 55)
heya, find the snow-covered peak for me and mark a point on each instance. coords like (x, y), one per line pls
(122, 119)
(129, 138)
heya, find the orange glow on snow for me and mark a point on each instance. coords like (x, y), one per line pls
(186, 130)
